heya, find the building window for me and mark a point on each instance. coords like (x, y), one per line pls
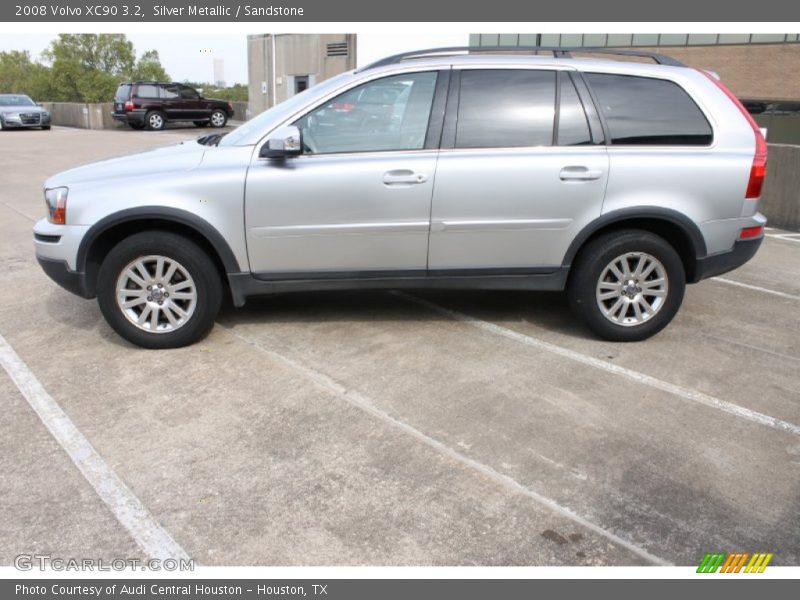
(645, 39)
(702, 39)
(673, 39)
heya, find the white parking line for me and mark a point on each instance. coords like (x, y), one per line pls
(786, 237)
(364, 403)
(125, 506)
(676, 390)
(756, 288)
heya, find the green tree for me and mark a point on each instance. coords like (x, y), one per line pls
(149, 68)
(19, 74)
(88, 67)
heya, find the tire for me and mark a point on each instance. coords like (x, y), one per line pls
(202, 123)
(179, 321)
(45, 127)
(219, 118)
(137, 126)
(607, 304)
(155, 120)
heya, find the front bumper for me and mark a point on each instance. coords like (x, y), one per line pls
(25, 123)
(59, 271)
(717, 264)
(56, 249)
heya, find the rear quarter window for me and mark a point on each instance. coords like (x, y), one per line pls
(648, 111)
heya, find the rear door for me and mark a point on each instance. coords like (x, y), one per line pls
(522, 169)
(171, 95)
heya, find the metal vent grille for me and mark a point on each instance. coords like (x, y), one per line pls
(337, 49)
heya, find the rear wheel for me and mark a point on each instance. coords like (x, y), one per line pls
(627, 285)
(158, 289)
(155, 120)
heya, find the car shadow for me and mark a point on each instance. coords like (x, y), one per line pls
(545, 310)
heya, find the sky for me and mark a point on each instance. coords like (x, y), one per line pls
(189, 57)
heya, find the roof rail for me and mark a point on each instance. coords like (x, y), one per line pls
(557, 51)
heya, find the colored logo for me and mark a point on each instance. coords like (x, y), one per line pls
(734, 563)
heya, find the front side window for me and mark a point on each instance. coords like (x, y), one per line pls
(647, 111)
(506, 108)
(189, 94)
(386, 114)
(170, 92)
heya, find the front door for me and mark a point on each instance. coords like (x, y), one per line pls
(358, 200)
(516, 179)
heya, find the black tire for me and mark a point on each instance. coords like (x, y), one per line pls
(219, 118)
(155, 120)
(592, 261)
(46, 127)
(202, 123)
(192, 258)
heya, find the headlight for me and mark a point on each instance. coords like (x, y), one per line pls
(11, 116)
(56, 200)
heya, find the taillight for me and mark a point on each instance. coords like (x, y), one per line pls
(343, 106)
(129, 106)
(759, 169)
(751, 232)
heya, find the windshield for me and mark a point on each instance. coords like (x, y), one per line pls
(250, 132)
(14, 100)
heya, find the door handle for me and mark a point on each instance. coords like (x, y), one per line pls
(579, 173)
(403, 176)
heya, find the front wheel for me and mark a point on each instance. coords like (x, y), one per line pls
(219, 118)
(158, 289)
(627, 285)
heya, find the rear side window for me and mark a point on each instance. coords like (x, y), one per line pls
(147, 91)
(647, 111)
(123, 92)
(506, 108)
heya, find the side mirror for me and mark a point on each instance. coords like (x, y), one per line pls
(285, 142)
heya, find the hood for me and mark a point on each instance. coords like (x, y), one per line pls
(22, 108)
(157, 162)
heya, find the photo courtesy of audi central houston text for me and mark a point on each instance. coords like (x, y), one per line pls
(402, 299)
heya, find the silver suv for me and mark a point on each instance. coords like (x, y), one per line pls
(618, 181)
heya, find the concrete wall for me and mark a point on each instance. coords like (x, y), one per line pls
(780, 199)
(82, 116)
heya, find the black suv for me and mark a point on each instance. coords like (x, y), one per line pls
(153, 104)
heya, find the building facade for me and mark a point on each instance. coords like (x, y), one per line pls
(282, 65)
